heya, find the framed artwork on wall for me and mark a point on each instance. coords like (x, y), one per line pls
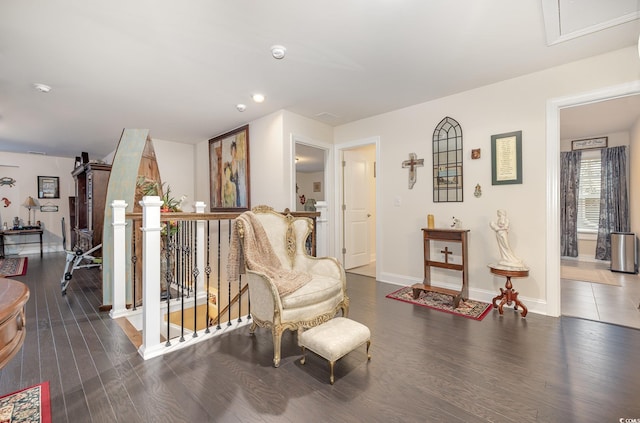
(229, 171)
(506, 158)
(48, 187)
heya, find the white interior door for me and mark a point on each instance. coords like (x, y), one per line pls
(356, 211)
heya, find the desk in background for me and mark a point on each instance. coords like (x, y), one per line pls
(14, 232)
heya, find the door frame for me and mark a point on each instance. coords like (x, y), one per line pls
(554, 105)
(338, 215)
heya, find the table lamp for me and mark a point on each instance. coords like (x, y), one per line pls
(31, 204)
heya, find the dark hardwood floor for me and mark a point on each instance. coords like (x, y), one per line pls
(426, 366)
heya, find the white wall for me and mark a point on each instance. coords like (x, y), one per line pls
(176, 166)
(270, 157)
(25, 169)
(516, 104)
(634, 177)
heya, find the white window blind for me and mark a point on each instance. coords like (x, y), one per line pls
(589, 194)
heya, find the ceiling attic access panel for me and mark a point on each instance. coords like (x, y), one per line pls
(447, 162)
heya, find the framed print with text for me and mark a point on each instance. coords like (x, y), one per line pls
(590, 143)
(506, 158)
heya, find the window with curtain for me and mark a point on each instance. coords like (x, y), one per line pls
(589, 192)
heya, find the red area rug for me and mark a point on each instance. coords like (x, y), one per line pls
(13, 266)
(27, 405)
(470, 309)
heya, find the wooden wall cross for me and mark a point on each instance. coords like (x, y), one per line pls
(412, 163)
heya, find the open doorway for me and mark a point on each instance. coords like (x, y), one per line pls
(358, 209)
(554, 106)
(310, 176)
(588, 288)
(311, 183)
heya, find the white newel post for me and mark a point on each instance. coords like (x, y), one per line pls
(119, 274)
(199, 207)
(321, 229)
(150, 276)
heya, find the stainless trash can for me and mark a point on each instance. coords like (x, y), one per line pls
(623, 252)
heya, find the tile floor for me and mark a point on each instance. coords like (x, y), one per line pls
(604, 303)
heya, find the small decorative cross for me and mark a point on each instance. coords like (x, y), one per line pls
(412, 163)
(446, 253)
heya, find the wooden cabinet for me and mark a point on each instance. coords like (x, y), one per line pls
(91, 181)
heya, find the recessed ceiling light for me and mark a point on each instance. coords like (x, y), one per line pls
(278, 51)
(241, 107)
(42, 87)
(258, 98)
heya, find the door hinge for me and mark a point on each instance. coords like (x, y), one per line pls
(344, 163)
(344, 250)
(344, 207)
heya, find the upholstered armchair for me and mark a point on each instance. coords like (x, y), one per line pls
(318, 300)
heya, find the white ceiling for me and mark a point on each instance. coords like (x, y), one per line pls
(180, 68)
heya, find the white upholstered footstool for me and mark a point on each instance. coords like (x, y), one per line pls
(335, 339)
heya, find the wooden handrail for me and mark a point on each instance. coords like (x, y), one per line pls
(234, 300)
(213, 216)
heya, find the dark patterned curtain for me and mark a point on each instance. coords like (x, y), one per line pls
(614, 201)
(569, 182)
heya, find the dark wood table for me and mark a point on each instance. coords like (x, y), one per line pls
(508, 294)
(15, 232)
(13, 297)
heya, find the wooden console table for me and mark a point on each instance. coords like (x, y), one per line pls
(13, 297)
(508, 295)
(14, 232)
(445, 235)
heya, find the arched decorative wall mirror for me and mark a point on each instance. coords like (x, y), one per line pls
(447, 161)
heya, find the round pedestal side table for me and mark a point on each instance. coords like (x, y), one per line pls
(507, 294)
(13, 297)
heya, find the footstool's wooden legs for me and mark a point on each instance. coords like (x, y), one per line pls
(332, 363)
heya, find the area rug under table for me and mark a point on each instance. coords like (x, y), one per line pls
(27, 405)
(13, 266)
(470, 309)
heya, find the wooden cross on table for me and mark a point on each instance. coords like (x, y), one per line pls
(412, 163)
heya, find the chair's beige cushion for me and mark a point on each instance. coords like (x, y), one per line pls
(319, 289)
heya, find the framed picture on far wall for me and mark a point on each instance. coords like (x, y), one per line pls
(229, 171)
(48, 187)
